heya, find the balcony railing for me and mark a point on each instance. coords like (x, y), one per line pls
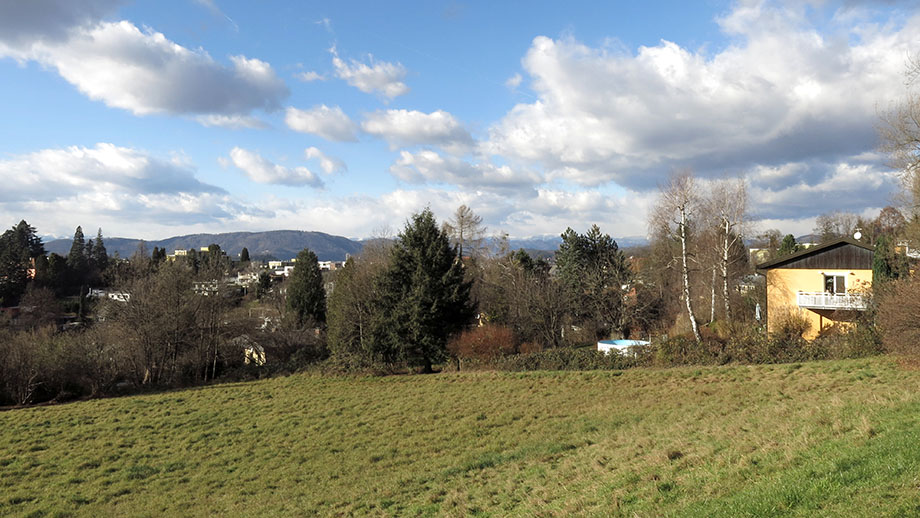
(824, 300)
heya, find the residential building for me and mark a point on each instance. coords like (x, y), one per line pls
(825, 284)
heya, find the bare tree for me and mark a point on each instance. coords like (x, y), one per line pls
(727, 208)
(466, 231)
(677, 207)
(836, 224)
(900, 134)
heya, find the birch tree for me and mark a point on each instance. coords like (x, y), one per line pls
(727, 206)
(678, 205)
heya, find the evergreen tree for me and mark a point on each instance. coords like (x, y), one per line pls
(19, 247)
(594, 271)
(788, 246)
(887, 264)
(424, 298)
(244, 255)
(57, 274)
(100, 257)
(76, 259)
(306, 298)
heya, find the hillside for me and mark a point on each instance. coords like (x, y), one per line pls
(278, 244)
(815, 439)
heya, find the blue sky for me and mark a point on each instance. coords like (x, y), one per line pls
(152, 119)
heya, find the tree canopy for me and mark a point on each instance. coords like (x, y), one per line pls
(595, 272)
(306, 298)
(19, 246)
(424, 297)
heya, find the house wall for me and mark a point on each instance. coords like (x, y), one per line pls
(783, 284)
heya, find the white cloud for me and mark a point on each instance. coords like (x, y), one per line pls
(329, 164)
(780, 93)
(262, 170)
(382, 77)
(231, 121)
(409, 128)
(57, 174)
(310, 76)
(802, 190)
(329, 123)
(514, 81)
(117, 188)
(427, 166)
(141, 70)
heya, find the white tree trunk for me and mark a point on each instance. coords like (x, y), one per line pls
(686, 273)
(725, 248)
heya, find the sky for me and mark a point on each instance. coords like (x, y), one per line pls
(151, 119)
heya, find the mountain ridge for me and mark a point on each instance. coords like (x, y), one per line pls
(284, 244)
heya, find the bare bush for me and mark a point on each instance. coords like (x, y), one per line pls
(899, 317)
(483, 343)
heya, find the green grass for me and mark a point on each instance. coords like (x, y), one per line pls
(814, 439)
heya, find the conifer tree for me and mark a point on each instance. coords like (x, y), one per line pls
(424, 297)
(100, 256)
(76, 259)
(18, 247)
(306, 298)
(244, 255)
(594, 271)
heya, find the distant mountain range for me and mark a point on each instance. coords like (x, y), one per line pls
(274, 244)
(552, 242)
(285, 244)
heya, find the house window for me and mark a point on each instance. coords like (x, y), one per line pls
(835, 284)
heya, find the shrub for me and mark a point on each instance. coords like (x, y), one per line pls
(565, 359)
(684, 350)
(792, 325)
(484, 343)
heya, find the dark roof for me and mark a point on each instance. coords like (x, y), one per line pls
(801, 254)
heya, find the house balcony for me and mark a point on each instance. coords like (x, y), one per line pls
(824, 300)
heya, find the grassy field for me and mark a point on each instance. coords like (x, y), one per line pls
(835, 438)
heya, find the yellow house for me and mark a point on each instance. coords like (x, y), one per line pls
(825, 284)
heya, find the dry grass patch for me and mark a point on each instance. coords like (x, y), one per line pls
(687, 441)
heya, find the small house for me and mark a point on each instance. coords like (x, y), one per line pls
(826, 285)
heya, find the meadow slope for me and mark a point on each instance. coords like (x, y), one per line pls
(814, 439)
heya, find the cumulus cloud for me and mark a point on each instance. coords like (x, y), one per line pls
(56, 174)
(108, 185)
(807, 190)
(310, 76)
(427, 166)
(231, 121)
(262, 170)
(329, 164)
(137, 70)
(781, 93)
(410, 127)
(382, 77)
(514, 81)
(329, 123)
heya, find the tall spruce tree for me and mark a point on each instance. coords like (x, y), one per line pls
(76, 259)
(306, 297)
(244, 255)
(424, 298)
(100, 258)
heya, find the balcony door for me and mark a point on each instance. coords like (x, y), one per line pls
(835, 284)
